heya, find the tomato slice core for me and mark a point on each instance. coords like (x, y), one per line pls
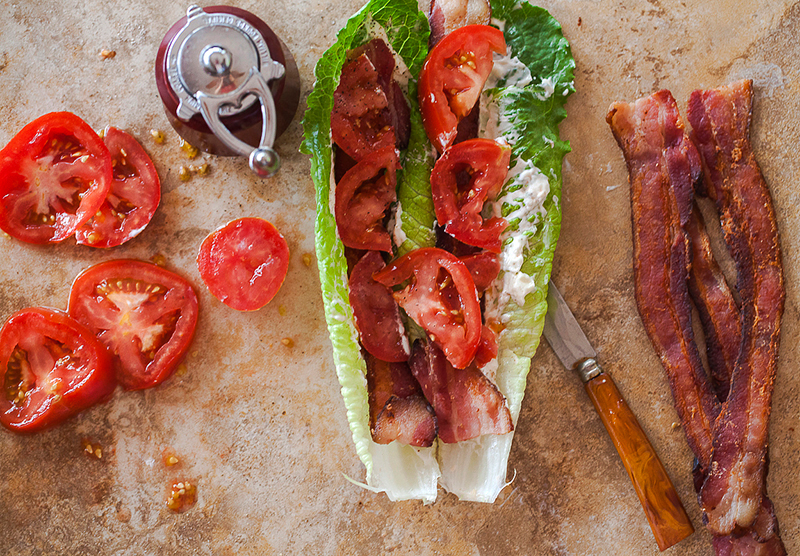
(440, 297)
(464, 178)
(144, 314)
(54, 175)
(133, 198)
(244, 263)
(452, 79)
(53, 368)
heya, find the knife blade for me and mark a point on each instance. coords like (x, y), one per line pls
(662, 506)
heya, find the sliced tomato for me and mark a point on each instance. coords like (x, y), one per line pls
(133, 198)
(52, 366)
(145, 315)
(377, 315)
(369, 108)
(440, 297)
(452, 79)
(464, 178)
(244, 263)
(487, 348)
(360, 120)
(54, 175)
(484, 267)
(362, 197)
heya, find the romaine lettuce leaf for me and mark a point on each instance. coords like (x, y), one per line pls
(402, 471)
(476, 469)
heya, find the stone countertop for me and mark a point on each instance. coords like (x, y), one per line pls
(260, 426)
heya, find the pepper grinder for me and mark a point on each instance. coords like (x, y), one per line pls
(229, 85)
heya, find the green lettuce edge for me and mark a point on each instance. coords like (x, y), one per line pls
(407, 31)
(475, 470)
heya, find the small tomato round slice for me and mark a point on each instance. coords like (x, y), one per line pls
(133, 198)
(440, 297)
(380, 326)
(54, 175)
(362, 197)
(52, 366)
(145, 315)
(452, 79)
(464, 178)
(244, 263)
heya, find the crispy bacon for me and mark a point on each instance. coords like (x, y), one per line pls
(466, 403)
(663, 166)
(718, 311)
(448, 15)
(397, 408)
(732, 493)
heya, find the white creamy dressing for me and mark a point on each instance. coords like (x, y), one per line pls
(549, 87)
(526, 190)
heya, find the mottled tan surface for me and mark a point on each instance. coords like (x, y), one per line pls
(261, 427)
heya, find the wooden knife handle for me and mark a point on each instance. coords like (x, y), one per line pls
(661, 504)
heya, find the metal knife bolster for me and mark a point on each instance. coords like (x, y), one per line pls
(587, 369)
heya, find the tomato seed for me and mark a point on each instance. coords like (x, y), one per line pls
(157, 135)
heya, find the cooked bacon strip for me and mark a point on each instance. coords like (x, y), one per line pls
(718, 311)
(466, 403)
(376, 313)
(663, 166)
(761, 540)
(448, 15)
(732, 493)
(397, 409)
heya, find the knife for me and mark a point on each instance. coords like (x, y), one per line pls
(660, 501)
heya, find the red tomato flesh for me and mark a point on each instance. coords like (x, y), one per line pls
(464, 178)
(484, 267)
(54, 175)
(441, 298)
(133, 198)
(53, 368)
(369, 108)
(452, 79)
(377, 315)
(244, 263)
(362, 197)
(144, 314)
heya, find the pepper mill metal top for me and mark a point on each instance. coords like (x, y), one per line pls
(218, 65)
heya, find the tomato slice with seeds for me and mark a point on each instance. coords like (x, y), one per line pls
(362, 197)
(53, 368)
(464, 178)
(145, 315)
(244, 263)
(452, 79)
(54, 175)
(440, 297)
(360, 120)
(133, 198)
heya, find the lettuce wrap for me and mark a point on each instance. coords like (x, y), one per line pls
(522, 103)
